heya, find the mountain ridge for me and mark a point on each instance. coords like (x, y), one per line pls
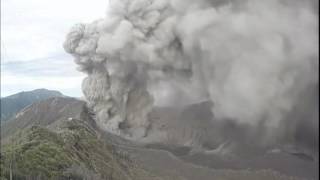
(11, 105)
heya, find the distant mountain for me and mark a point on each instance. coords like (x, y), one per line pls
(10, 105)
(44, 113)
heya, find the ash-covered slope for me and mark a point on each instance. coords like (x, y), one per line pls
(189, 126)
(195, 126)
(191, 135)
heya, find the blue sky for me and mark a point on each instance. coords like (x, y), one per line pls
(32, 34)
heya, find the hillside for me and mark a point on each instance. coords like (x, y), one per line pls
(57, 139)
(10, 105)
(72, 152)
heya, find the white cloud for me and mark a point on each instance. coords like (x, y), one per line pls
(12, 83)
(36, 29)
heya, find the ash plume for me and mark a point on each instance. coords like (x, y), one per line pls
(255, 61)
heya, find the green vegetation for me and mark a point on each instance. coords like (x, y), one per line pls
(73, 151)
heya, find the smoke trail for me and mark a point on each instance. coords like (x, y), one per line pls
(253, 59)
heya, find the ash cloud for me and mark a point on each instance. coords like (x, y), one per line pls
(254, 60)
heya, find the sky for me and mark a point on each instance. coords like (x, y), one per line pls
(32, 34)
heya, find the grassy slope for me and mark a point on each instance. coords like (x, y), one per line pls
(73, 151)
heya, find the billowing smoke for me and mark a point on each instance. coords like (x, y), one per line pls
(254, 60)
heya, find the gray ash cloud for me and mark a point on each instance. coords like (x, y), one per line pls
(256, 61)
